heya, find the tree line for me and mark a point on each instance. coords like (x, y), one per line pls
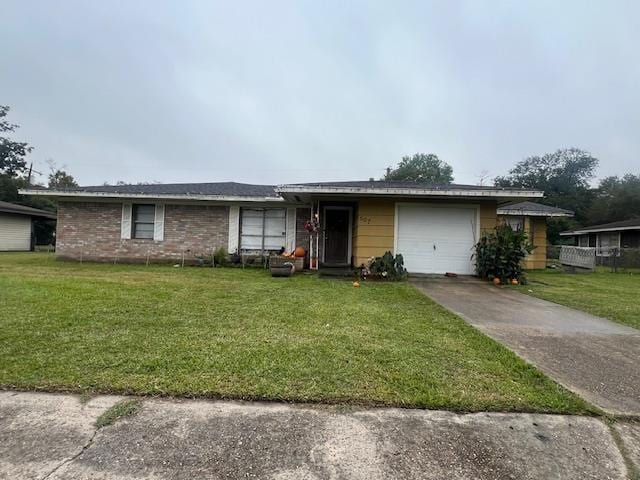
(16, 173)
(564, 175)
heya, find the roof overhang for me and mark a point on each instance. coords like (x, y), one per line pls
(60, 194)
(300, 192)
(597, 230)
(49, 216)
(528, 213)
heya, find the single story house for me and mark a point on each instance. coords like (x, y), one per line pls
(16, 226)
(606, 236)
(532, 218)
(434, 227)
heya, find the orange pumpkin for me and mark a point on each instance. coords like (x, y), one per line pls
(496, 281)
(356, 284)
(299, 252)
(514, 281)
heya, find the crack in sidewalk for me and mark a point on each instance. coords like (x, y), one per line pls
(66, 461)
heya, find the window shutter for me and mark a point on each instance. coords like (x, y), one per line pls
(290, 241)
(158, 225)
(234, 228)
(125, 225)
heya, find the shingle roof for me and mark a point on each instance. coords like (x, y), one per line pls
(269, 192)
(631, 224)
(218, 188)
(23, 210)
(533, 209)
(383, 184)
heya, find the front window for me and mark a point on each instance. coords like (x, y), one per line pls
(583, 241)
(143, 221)
(262, 229)
(516, 223)
(607, 242)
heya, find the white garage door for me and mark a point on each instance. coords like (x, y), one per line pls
(436, 239)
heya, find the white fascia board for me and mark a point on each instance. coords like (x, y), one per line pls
(598, 230)
(217, 198)
(522, 213)
(411, 192)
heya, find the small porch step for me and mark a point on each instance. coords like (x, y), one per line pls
(336, 272)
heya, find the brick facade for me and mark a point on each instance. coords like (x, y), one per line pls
(91, 231)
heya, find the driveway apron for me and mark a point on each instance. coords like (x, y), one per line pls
(594, 357)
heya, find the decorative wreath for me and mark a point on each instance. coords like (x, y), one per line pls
(312, 226)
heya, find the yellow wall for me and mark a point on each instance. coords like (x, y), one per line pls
(536, 229)
(488, 217)
(373, 230)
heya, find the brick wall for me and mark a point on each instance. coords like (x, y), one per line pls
(91, 231)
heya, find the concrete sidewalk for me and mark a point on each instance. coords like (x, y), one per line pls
(596, 358)
(54, 437)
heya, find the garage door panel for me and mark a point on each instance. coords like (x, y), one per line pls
(437, 239)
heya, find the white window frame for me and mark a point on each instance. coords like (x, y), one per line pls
(520, 218)
(583, 239)
(607, 253)
(127, 226)
(134, 208)
(262, 250)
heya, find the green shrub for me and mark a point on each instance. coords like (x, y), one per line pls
(500, 254)
(220, 257)
(388, 267)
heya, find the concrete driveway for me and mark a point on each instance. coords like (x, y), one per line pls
(594, 357)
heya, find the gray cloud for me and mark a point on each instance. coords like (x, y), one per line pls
(299, 91)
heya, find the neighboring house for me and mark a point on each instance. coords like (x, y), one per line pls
(434, 227)
(604, 237)
(532, 218)
(16, 226)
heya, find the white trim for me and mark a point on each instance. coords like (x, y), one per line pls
(599, 252)
(290, 229)
(598, 230)
(350, 231)
(524, 213)
(450, 192)
(233, 245)
(434, 205)
(190, 196)
(158, 223)
(125, 222)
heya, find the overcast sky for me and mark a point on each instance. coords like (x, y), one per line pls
(277, 92)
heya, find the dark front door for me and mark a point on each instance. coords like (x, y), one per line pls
(336, 236)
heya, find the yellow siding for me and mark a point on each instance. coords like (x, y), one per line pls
(374, 229)
(536, 229)
(488, 217)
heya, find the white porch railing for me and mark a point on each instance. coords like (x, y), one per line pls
(581, 257)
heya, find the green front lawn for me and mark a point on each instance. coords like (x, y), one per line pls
(233, 333)
(611, 295)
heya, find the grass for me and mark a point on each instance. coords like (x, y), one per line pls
(602, 293)
(233, 333)
(125, 408)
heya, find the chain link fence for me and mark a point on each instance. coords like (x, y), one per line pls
(618, 259)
